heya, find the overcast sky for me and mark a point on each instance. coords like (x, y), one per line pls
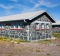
(9, 7)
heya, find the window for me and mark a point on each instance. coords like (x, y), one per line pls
(21, 25)
(0, 26)
(47, 26)
(37, 25)
(16, 26)
(12, 26)
(42, 25)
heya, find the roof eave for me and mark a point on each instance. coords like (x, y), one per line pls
(52, 20)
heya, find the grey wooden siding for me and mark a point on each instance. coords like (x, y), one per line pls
(44, 19)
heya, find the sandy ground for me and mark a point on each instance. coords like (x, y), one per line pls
(48, 48)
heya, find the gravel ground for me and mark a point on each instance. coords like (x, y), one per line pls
(44, 48)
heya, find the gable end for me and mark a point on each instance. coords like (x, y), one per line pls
(41, 16)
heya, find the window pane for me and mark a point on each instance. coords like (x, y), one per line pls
(47, 26)
(12, 26)
(42, 25)
(0, 26)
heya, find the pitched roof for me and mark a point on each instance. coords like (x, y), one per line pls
(57, 23)
(28, 15)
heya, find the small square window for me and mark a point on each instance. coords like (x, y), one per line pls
(42, 26)
(47, 26)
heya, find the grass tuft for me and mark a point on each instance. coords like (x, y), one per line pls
(48, 54)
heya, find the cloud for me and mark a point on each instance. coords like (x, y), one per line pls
(45, 3)
(26, 8)
(5, 7)
(37, 3)
(7, 12)
(14, 0)
(48, 3)
(20, 7)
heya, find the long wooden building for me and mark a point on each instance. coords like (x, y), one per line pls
(27, 26)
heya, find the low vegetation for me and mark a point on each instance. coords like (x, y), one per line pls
(44, 41)
(12, 40)
(58, 44)
(57, 35)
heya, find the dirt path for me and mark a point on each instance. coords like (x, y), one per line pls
(30, 48)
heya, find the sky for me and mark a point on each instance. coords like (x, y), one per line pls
(10, 7)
